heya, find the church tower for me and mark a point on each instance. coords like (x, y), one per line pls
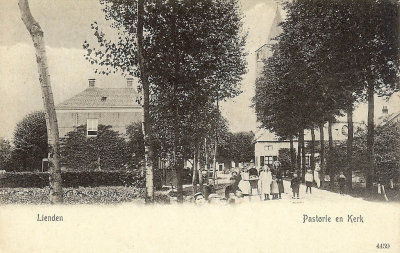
(265, 50)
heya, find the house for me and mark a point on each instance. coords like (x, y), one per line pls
(117, 107)
(267, 144)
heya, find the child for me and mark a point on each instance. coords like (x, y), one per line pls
(279, 180)
(342, 182)
(295, 185)
(309, 180)
(199, 198)
(274, 188)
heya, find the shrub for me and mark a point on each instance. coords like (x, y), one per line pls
(108, 150)
(73, 179)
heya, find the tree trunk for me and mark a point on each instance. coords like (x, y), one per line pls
(199, 166)
(370, 136)
(330, 169)
(146, 124)
(206, 154)
(56, 191)
(215, 160)
(292, 154)
(312, 159)
(178, 161)
(299, 152)
(303, 156)
(194, 175)
(322, 153)
(216, 142)
(349, 173)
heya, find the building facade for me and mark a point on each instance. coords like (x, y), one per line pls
(267, 144)
(117, 107)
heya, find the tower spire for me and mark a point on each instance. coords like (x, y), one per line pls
(275, 29)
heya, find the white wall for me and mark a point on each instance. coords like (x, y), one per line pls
(260, 149)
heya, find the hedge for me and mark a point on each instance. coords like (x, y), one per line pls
(77, 179)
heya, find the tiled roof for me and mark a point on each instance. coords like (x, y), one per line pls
(94, 97)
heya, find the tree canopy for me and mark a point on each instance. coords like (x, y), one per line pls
(30, 142)
(194, 53)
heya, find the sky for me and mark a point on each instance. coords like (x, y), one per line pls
(66, 25)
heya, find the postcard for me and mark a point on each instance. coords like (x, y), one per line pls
(199, 126)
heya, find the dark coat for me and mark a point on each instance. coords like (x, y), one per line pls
(253, 172)
(295, 183)
(230, 189)
(208, 189)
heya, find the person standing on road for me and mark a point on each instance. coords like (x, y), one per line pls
(295, 185)
(253, 172)
(279, 180)
(316, 174)
(265, 182)
(274, 188)
(209, 189)
(341, 182)
(309, 180)
(231, 188)
(244, 184)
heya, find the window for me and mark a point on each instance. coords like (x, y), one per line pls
(269, 160)
(92, 125)
(268, 147)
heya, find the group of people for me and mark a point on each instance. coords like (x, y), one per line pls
(265, 181)
(232, 194)
(248, 182)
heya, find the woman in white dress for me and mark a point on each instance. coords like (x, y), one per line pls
(265, 182)
(316, 174)
(244, 184)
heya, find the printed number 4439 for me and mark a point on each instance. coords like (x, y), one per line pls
(383, 245)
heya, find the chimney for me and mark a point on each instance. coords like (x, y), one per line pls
(129, 82)
(91, 82)
(385, 110)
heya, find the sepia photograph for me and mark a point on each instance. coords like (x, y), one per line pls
(199, 126)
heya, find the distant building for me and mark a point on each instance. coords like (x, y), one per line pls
(117, 107)
(267, 144)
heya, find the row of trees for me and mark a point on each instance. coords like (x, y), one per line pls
(108, 150)
(188, 55)
(330, 55)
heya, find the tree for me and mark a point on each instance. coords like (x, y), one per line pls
(238, 147)
(387, 152)
(135, 144)
(30, 142)
(5, 154)
(330, 57)
(36, 32)
(146, 128)
(381, 65)
(193, 52)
